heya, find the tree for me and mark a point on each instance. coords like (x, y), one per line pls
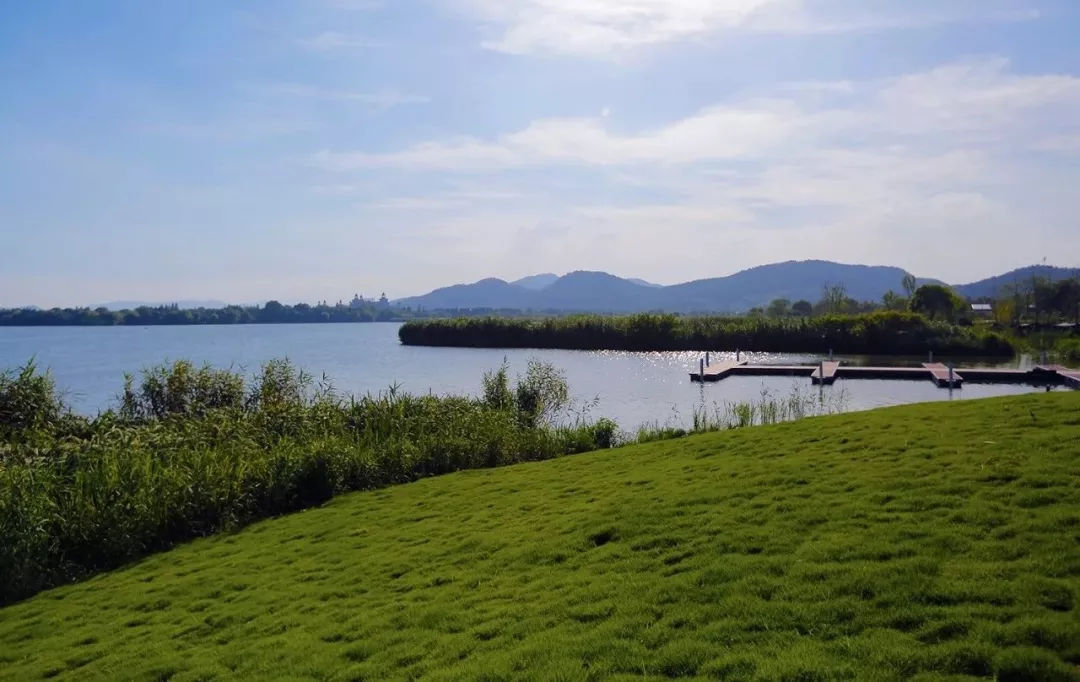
(910, 284)
(894, 301)
(937, 301)
(802, 308)
(1004, 312)
(834, 297)
(1063, 297)
(779, 307)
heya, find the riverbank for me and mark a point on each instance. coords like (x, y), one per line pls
(874, 333)
(921, 540)
(189, 452)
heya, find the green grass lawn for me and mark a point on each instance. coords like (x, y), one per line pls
(928, 541)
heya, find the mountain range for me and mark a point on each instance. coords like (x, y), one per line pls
(587, 291)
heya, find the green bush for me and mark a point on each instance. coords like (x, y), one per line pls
(1068, 351)
(29, 401)
(192, 451)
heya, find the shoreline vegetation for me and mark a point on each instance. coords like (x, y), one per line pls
(189, 452)
(193, 451)
(871, 545)
(272, 312)
(892, 333)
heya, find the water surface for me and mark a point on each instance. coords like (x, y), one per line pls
(633, 388)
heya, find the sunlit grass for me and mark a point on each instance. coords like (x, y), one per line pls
(919, 542)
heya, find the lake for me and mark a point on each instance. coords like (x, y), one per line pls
(633, 388)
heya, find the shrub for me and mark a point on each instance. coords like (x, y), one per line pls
(195, 451)
(180, 389)
(29, 400)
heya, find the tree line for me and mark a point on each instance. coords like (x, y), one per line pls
(272, 312)
(1036, 301)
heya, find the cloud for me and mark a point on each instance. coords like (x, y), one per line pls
(717, 133)
(609, 27)
(599, 26)
(355, 5)
(952, 156)
(380, 100)
(974, 102)
(332, 40)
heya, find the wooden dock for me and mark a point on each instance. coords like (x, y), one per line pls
(825, 373)
(1069, 376)
(936, 372)
(718, 371)
(943, 376)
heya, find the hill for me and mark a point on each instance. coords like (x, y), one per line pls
(877, 545)
(590, 291)
(487, 293)
(792, 280)
(996, 286)
(603, 292)
(536, 282)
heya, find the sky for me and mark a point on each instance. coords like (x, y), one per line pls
(309, 150)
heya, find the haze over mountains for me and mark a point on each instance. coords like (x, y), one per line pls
(601, 292)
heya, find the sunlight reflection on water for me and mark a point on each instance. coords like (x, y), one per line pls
(632, 388)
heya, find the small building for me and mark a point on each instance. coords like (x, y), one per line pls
(356, 302)
(982, 309)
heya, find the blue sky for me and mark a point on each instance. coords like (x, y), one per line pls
(308, 150)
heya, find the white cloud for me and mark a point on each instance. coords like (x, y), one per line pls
(599, 26)
(332, 40)
(717, 133)
(382, 100)
(977, 101)
(845, 171)
(355, 5)
(609, 27)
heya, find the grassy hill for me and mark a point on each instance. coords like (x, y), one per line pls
(938, 539)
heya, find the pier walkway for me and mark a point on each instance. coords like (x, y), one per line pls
(943, 375)
(936, 372)
(825, 373)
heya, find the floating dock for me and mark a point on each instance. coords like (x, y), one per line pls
(827, 372)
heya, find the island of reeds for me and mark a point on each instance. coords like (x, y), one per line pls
(895, 333)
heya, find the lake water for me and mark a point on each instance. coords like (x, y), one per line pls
(633, 388)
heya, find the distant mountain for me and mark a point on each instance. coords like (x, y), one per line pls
(643, 283)
(994, 286)
(536, 282)
(793, 280)
(487, 293)
(185, 305)
(601, 292)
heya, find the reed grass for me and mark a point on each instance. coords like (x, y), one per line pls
(193, 451)
(873, 333)
(770, 407)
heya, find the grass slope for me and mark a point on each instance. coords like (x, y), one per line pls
(921, 541)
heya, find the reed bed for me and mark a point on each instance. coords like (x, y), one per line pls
(194, 451)
(873, 333)
(770, 407)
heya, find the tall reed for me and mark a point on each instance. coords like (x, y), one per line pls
(192, 451)
(882, 332)
(769, 408)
